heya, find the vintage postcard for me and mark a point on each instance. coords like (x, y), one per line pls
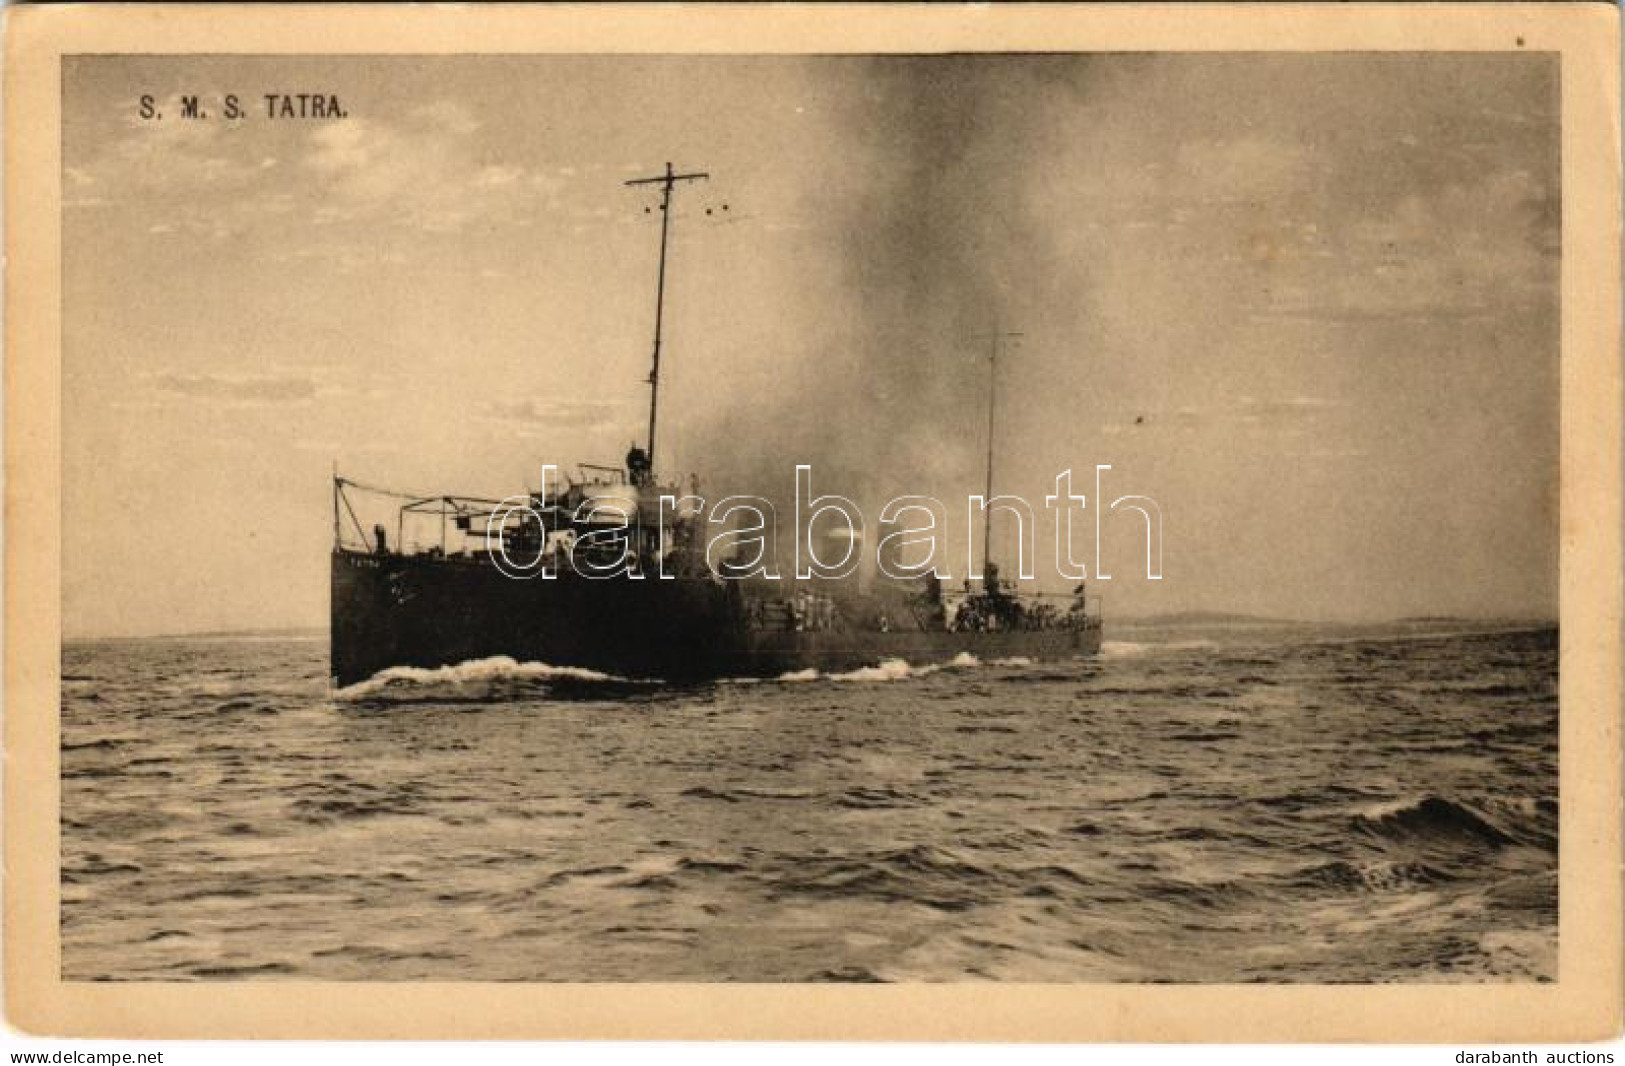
(1066, 523)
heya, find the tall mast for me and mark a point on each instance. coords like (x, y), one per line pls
(667, 182)
(992, 403)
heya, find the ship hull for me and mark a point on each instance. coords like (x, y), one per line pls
(391, 610)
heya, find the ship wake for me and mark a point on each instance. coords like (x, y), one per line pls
(496, 669)
(899, 669)
(1130, 649)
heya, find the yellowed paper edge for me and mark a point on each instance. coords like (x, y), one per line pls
(1584, 1004)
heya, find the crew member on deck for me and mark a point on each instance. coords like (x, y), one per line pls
(638, 470)
(1079, 609)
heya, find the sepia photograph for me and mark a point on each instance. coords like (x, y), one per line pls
(932, 517)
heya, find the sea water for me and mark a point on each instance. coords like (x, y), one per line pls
(1251, 803)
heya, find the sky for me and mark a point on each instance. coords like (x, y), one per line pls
(1307, 303)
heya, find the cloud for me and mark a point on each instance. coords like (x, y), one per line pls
(176, 160)
(428, 170)
(449, 115)
(495, 176)
(420, 172)
(1292, 408)
(1244, 168)
(239, 390)
(1283, 414)
(1475, 248)
(555, 412)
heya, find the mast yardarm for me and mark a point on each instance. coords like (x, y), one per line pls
(667, 182)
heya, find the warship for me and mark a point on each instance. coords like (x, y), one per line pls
(666, 612)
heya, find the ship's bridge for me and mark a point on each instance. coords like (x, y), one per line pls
(599, 515)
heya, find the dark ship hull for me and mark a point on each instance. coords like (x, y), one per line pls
(429, 611)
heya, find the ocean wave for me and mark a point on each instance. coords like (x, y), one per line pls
(922, 874)
(1437, 820)
(737, 795)
(894, 670)
(104, 744)
(1131, 649)
(888, 670)
(1378, 876)
(495, 668)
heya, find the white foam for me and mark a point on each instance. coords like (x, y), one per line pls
(888, 670)
(497, 667)
(1129, 649)
(959, 662)
(897, 669)
(1376, 812)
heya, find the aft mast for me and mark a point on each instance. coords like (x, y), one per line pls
(994, 340)
(667, 182)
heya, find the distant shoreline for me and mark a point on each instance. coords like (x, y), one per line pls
(268, 633)
(1221, 618)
